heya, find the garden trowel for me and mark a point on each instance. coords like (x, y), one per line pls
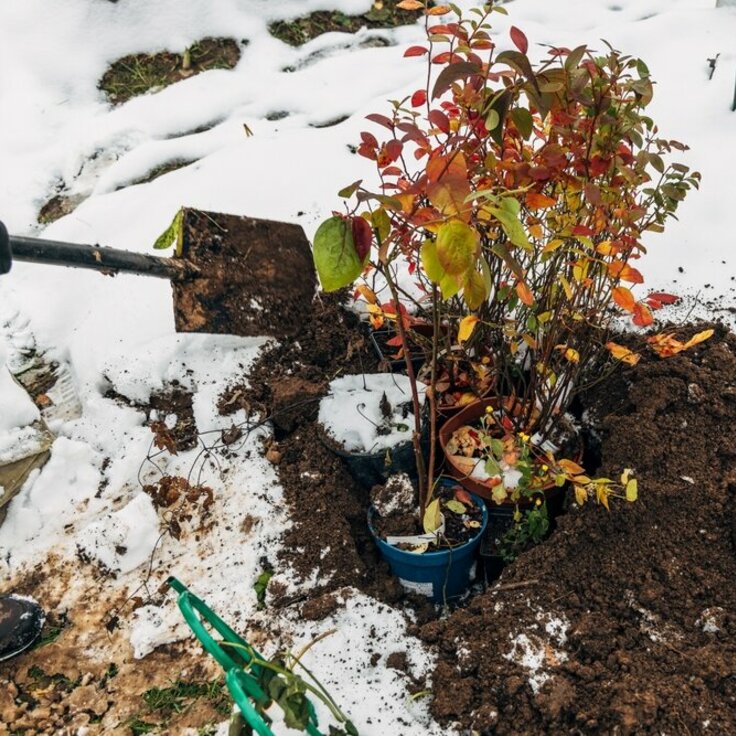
(230, 274)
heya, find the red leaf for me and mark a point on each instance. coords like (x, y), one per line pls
(519, 39)
(463, 496)
(381, 120)
(445, 57)
(642, 315)
(419, 98)
(369, 139)
(439, 120)
(582, 230)
(394, 148)
(663, 297)
(415, 51)
(394, 342)
(362, 236)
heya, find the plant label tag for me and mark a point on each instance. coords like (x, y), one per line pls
(416, 540)
(415, 587)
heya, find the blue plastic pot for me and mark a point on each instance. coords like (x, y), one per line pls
(441, 575)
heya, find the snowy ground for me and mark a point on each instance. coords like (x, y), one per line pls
(118, 333)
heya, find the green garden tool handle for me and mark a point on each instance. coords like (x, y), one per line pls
(243, 686)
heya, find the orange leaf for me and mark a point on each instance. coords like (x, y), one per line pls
(630, 274)
(410, 5)
(570, 467)
(642, 315)
(367, 293)
(524, 293)
(439, 10)
(537, 201)
(624, 298)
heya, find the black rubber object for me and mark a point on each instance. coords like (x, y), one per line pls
(6, 254)
(21, 621)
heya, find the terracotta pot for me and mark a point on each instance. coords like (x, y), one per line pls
(469, 415)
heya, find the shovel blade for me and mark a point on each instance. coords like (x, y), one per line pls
(256, 276)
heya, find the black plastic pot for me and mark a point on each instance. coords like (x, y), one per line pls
(379, 338)
(372, 468)
(492, 564)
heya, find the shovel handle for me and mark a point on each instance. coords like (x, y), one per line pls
(95, 257)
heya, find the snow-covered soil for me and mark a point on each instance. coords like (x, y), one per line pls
(56, 129)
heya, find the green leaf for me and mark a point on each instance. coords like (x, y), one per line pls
(455, 506)
(511, 225)
(523, 121)
(174, 233)
(497, 448)
(574, 58)
(492, 467)
(449, 286)
(431, 263)
(492, 120)
(335, 257)
(457, 245)
(381, 223)
(348, 191)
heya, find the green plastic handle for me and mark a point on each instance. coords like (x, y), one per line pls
(242, 685)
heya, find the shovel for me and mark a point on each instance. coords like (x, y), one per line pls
(230, 275)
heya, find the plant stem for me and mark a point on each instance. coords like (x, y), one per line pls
(432, 400)
(416, 435)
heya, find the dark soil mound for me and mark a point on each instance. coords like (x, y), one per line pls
(645, 594)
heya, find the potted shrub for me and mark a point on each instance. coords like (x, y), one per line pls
(516, 194)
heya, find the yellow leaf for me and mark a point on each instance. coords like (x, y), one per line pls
(432, 517)
(696, 339)
(457, 247)
(604, 248)
(580, 270)
(566, 286)
(439, 10)
(552, 246)
(570, 353)
(625, 476)
(499, 493)
(601, 493)
(474, 289)
(619, 352)
(467, 325)
(632, 490)
(581, 495)
(582, 479)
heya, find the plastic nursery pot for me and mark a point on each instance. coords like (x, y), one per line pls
(373, 438)
(492, 563)
(441, 575)
(372, 468)
(554, 494)
(379, 338)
